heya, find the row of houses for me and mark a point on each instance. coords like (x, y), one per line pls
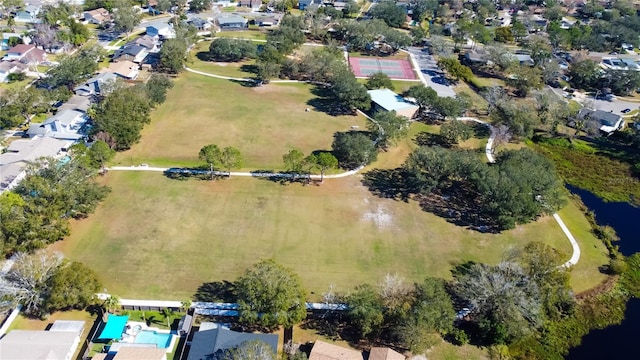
(22, 58)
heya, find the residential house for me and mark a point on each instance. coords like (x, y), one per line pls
(211, 338)
(10, 67)
(232, 22)
(97, 16)
(567, 23)
(133, 352)
(524, 59)
(607, 122)
(64, 125)
(7, 36)
(28, 15)
(303, 4)
(325, 351)
(387, 100)
(12, 169)
(148, 42)
(200, 24)
(97, 85)
(26, 54)
(151, 7)
(383, 353)
(132, 52)
(163, 31)
(254, 5)
(615, 63)
(266, 21)
(126, 69)
(59, 342)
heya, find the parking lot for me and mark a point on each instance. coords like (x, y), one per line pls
(432, 73)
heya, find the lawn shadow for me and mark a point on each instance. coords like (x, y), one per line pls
(324, 102)
(199, 173)
(480, 131)
(224, 291)
(388, 184)
(250, 83)
(203, 56)
(424, 138)
(250, 68)
(460, 208)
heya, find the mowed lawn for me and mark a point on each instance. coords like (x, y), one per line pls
(159, 238)
(263, 122)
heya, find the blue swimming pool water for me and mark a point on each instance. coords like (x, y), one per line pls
(163, 340)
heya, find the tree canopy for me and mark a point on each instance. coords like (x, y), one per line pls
(387, 11)
(271, 295)
(231, 50)
(353, 149)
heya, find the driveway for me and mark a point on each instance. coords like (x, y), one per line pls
(433, 75)
(615, 106)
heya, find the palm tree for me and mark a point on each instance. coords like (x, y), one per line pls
(185, 305)
(167, 312)
(111, 302)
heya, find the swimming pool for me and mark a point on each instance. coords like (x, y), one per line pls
(162, 340)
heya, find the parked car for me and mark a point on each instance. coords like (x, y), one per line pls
(625, 111)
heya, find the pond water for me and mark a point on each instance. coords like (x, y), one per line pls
(614, 342)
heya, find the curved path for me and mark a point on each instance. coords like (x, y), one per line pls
(575, 257)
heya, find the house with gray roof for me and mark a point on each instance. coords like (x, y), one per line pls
(215, 339)
(387, 100)
(132, 52)
(96, 85)
(39, 345)
(232, 22)
(28, 15)
(605, 121)
(65, 125)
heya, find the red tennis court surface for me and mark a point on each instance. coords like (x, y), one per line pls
(395, 69)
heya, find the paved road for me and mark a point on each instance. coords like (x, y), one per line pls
(433, 75)
(615, 106)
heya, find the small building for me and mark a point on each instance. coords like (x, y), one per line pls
(214, 338)
(97, 16)
(303, 4)
(606, 122)
(148, 42)
(10, 67)
(162, 31)
(325, 351)
(39, 345)
(383, 353)
(126, 69)
(28, 15)
(131, 52)
(387, 100)
(254, 5)
(97, 85)
(26, 54)
(266, 21)
(7, 36)
(72, 326)
(232, 22)
(132, 352)
(200, 24)
(64, 125)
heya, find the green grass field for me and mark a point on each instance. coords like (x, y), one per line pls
(159, 238)
(245, 34)
(231, 69)
(263, 122)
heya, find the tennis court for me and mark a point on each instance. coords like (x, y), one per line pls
(395, 69)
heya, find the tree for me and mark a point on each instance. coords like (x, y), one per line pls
(455, 69)
(455, 131)
(524, 78)
(199, 5)
(271, 295)
(423, 96)
(111, 303)
(173, 55)
(540, 48)
(167, 312)
(431, 313)
(232, 50)
(424, 9)
(388, 126)
(505, 303)
(212, 155)
(365, 310)
(126, 18)
(230, 158)
(379, 80)
(348, 92)
(293, 161)
(584, 74)
(123, 114)
(248, 350)
(390, 13)
(74, 68)
(99, 153)
(503, 34)
(73, 286)
(325, 161)
(156, 88)
(353, 149)
(26, 282)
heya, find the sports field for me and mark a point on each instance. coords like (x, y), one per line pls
(395, 69)
(263, 122)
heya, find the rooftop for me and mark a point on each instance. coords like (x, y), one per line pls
(207, 342)
(68, 326)
(383, 353)
(38, 345)
(389, 100)
(231, 19)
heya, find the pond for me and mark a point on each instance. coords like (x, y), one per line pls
(615, 341)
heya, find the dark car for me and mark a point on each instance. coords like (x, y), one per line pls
(626, 111)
